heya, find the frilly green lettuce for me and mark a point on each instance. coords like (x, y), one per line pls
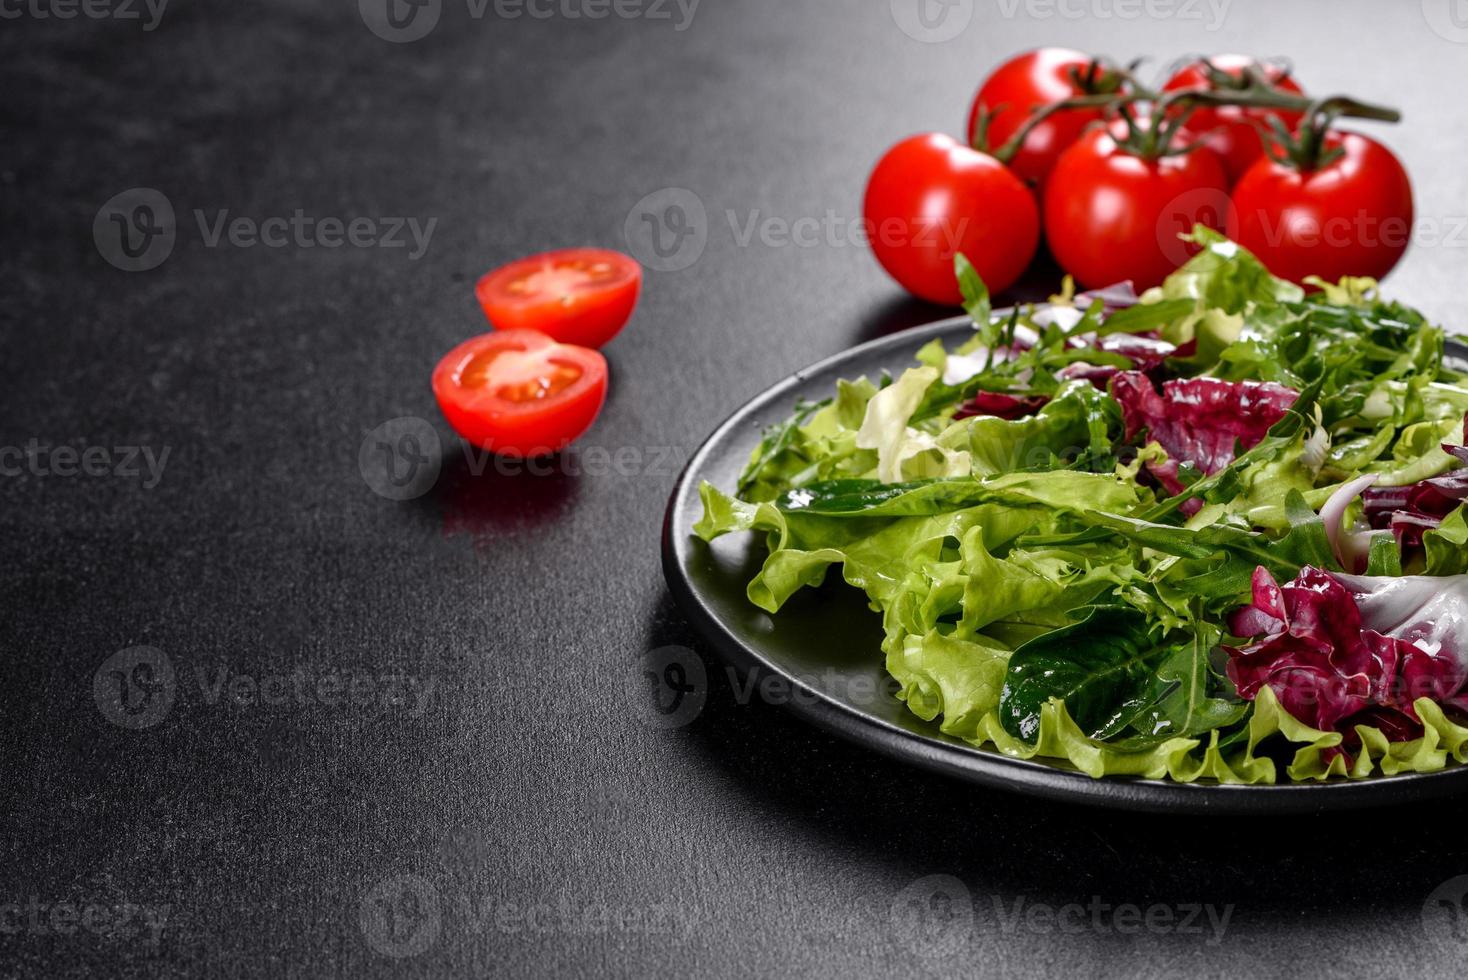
(989, 543)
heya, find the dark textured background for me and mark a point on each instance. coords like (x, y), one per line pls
(281, 836)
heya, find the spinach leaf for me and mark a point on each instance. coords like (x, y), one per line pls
(1103, 668)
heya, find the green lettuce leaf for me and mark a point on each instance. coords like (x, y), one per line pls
(1035, 593)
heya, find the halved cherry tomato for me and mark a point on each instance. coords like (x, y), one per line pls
(1232, 131)
(519, 393)
(579, 296)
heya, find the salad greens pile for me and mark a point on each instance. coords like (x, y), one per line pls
(1211, 532)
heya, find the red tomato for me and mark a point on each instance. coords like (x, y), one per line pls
(1231, 131)
(1111, 216)
(931, 197)
(1352, 217)
(1013, 93)
(577, 295)
(520, 394)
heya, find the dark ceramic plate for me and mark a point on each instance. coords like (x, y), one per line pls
(824, 645)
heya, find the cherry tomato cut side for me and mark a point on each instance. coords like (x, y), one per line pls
(582, 296)
(519, 393)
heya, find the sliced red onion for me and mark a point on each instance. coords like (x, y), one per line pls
(963, 367)
(1352, 546)
(1429, 612)
(1113, 298)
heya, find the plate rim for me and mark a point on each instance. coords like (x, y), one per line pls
(986, 766)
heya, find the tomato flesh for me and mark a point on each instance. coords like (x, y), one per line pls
(519, 393)
(517, 376)
(582, 296)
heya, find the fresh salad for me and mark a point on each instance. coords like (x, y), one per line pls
(1214, 532)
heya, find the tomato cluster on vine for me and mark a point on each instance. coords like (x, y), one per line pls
(1074, 152)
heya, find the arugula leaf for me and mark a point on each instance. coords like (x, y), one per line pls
(975, 293)
(1187, 701)
(1220, 559)
(1145, 317)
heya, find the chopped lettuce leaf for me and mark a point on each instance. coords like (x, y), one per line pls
(1075, 527)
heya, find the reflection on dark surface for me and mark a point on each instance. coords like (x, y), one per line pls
(483, 495)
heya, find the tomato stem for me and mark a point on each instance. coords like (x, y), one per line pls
(1113, 90)
(1012, 146)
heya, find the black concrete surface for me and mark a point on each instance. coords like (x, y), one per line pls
(373, 737)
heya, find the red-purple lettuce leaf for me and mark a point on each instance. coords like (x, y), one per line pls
(1410, 512)
(999, 405)
(1199, 421)
(1340, 651)
(1147, 353)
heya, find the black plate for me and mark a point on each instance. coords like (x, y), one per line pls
(824, 645)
